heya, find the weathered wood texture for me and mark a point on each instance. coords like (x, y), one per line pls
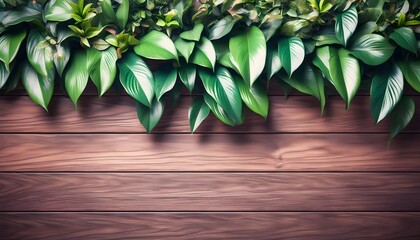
(251, 226)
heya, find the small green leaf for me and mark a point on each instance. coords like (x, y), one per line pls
(193, 34)
(39, 88)
(372, 49)
(273, 64)
(77, 75)
(411, 71)
(60, 11)
(402, 115)
(40, 53)
(222, 27)
(345, 24)
(9, 46)
(198, 111)
(165, 80)
(150, 116)
(122, 13)
(405, 38)
(254, 97)
(102, 67)
(291, 53)
(185, 48)
(156, 45)
(204, 54)
(136, 78)
(187, 74)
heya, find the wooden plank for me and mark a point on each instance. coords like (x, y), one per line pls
(210, 192)
(212, 152)
(262, 226)
(118, 114)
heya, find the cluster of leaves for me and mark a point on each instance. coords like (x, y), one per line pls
(223, 51)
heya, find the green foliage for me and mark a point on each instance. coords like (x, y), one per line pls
(310, 45)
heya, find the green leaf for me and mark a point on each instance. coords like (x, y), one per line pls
(273, 64)
(185, 48)
(4, 74)
(40, 88)
(386, 91)
(60, 11)
(150, 116)
(29, 13)
(341, 69)
(9, 46)
(122, 13)
(411, 71)
(156, 45)
(198, 111)
(193, 34)
(223, 89)
(227, 60)
(218, 110)
(310, 81)
(204, 55)
(345, 24)
(222, 27)
(187, 74)
(405, 38)
(108, 10)
(136, 78)
(77, 75)
(254, 97)
(372, 49)
(291, 53)
(402, 115)
(61, 57)
(40, 53)
(102, 67)
(165, 80)
(249, 52)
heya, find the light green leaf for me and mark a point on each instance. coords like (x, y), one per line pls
(156, 45)
(222, 27)
(249, 52)
(386, 91)
(150, 116)
(76, 76)
(218, 111)
(291, 53)
(273, 64)
(102, 67)
(60, 11)
(402, 115)
(187, 74)
(254, 97)
(372, 49)
(411, 71)
(39, 88)
(40, 53)
(122, 13)
(185, 48)
(345, 24)
(204, 54)
(136, 78)
(223, 89)
(165, 80)
(227, 60)
(193, 34)
(9, 46)
(198, 111)
(405, 38)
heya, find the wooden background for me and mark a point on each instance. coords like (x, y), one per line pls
(96, 174)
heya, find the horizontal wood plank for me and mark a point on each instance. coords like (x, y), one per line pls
(262, 226)
(211, 152)
(118, 114)
(210, 192)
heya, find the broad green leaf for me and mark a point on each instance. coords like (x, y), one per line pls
(28, 13)
(204, 54)
(61, 57)
(185, 48)
(150, 116)
(198, 111)
(222, 27)
(187, 74)
(193, 34)
(291, 53)
(40, 53)
(39, 88)
(227, 60)
(249, 52)
(4, 74)
(254, 97)
(77, 75)
(9, 46)
(60, 11)
(310, 81)
(411, 71)
(218, 111)
(273, 64)
(386, 91)
(405, 38)
(345, 24)
(223, 89)
(322, 60)
(102, 67)
(136, 78)
(372, 49)
(122, 13)
(165, 80)
(402, 115)
(156, 45)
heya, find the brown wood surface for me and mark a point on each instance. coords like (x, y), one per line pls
(250, 225)
(118, 114)
(210, 192)
(213, 152)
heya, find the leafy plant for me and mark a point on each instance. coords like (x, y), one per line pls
(220, 50)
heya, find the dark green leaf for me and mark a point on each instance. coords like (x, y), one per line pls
(218, 110)
(222, 27)
(273, 64)
(40, 53)
(29, 13)
(185, 48)
(4, 74)
(405, 38)
(198, 111)
(165, 80)
(411, 71)
(9, 46)
(150, 116)
(291, 53)
(122, 13)
(345, 24)
(254, 97)
(187, 74)
(60, 11)
(61, 57)
(39, 88)
(402, 115)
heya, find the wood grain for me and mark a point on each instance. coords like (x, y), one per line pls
(210, 192)
(118, 114)
(261, 226)
(214, 152)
